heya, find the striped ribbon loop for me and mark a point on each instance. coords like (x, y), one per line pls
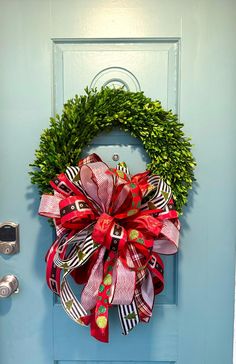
(70, 302)
(82, 247)
(159, 191)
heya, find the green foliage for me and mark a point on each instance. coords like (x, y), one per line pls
(84, 117)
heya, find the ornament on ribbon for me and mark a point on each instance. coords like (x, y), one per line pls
(111, 229)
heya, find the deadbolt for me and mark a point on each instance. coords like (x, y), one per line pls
(9, 238)
(8, 285)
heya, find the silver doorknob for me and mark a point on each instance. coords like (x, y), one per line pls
(8, 285)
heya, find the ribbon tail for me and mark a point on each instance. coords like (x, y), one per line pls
(90, 291)
(75, 258)
(129, 317)
(70, 303)
(124, 286)
(98, 333)
(144, 296)
(52, 270)
(147, 290)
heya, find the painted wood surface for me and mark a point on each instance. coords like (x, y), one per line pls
(180, 52)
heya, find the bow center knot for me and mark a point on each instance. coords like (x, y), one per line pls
(108, 233)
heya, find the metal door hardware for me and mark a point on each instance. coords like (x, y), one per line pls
(8, 285)
(9, 238)
(116, 157)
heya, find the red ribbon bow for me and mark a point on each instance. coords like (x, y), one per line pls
(129, 220)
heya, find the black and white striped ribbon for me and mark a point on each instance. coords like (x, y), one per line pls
(71, 172)
(70, 302)
(123, 168)
(82, 247)
(161, 193)
(129, 317)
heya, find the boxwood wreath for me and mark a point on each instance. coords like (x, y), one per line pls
(111, 226)
(84, 117)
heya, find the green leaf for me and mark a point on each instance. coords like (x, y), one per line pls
(69, 304)
(64, 266)
(131, 316)
(165, 195)
(81, 255)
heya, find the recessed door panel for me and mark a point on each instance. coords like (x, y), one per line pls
(151, 67)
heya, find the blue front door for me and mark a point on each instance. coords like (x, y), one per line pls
(51, 51)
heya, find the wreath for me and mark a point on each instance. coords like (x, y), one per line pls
(84, 117)
(111, 226)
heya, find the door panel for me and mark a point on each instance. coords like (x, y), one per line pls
(154, 344)
(151, 66)
(136, 64)
(179, 52)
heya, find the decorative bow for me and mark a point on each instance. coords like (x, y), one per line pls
(111, 228)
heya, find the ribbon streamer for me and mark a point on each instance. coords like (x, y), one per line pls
(111, 228)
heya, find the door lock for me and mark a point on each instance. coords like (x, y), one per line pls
(8, 285)
(9, 238)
